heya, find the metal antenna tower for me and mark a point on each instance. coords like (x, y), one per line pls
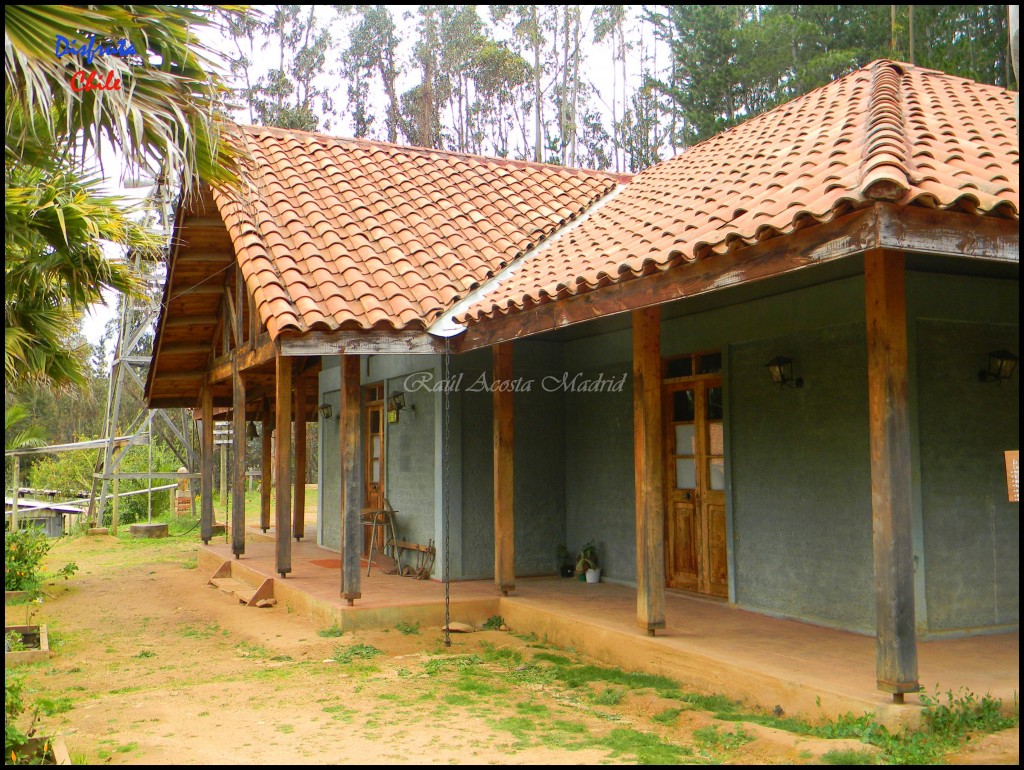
(130, 368)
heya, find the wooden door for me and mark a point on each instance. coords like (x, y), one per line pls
(695, 541)
(373, 460)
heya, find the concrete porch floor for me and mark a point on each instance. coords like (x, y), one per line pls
(707, 646)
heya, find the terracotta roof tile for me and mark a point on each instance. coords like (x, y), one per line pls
(890, 132)
(334, 232)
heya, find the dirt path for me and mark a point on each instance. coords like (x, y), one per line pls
(152, 668)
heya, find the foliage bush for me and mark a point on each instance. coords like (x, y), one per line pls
(71, 472)
(23, 557)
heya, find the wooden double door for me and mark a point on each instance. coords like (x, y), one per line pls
(695, 537)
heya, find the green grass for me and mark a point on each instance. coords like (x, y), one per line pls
(331, 632)
(710, 738)
(668, 716)
(608, 697)
(407, 629)
(354, 652)
(848, 757)
(493, 623)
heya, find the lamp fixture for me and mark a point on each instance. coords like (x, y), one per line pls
(325, 411)
(250, 430)
(396, 403)
(780, 369)
(1001, 365)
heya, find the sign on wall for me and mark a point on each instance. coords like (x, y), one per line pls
(1013, 474)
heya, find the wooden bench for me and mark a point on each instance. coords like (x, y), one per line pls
(424, 559)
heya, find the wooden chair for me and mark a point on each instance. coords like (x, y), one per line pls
(385, 519)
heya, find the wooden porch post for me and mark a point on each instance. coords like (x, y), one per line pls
(351, 479)
(238, 475)
(889, 430)
(647, 458)
(283, 399)
(206, 469)
(299, 505)
(504, 445)
(266, 474)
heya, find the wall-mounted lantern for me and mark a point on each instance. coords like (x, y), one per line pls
(780, 369)
(325, 411)
(250, 430)
(1001, 365)
(396, 403)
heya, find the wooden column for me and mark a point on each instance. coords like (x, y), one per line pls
(647, 461)
(206, 470)
(282, 492)
(299, 505)
(351, 479)
(504, 446)
(889, 431)
(238, 462)
(266, 463)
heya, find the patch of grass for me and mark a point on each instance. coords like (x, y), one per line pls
(286, 729)
(536, 709)
(710, 738)
(331, 632)
(144, 654)
(507, 655)
(667, 717)
(578, 676)
(435, 666)
(493, 623)
(408, 629)
(358, 651)
(50, 706)
(646, 748)
(194, 632)
(127, 747)
(608, 697)
(848, 757)
(190, 563)
(250, 650)
(478, 685)
(559, 660)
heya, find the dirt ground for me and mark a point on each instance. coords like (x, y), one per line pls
(152, 667)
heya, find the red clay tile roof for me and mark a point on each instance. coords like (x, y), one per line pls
(335, 233)
(891, 132)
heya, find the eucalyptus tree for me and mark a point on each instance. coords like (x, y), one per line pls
(288, 95)
(371, 53)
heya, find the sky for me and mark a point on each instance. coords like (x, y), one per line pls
(598, 69)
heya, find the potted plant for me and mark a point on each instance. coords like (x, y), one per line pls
(586, 563)
(565, 564)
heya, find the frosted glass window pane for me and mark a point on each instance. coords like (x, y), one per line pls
(375, 471)
(375, 446)
(686, 473)
(685, 440)
(718, 473)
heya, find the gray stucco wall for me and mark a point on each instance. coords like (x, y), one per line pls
(971, 531)
(539, 462)
(600, 501)
(801, 489)
(409, 457)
